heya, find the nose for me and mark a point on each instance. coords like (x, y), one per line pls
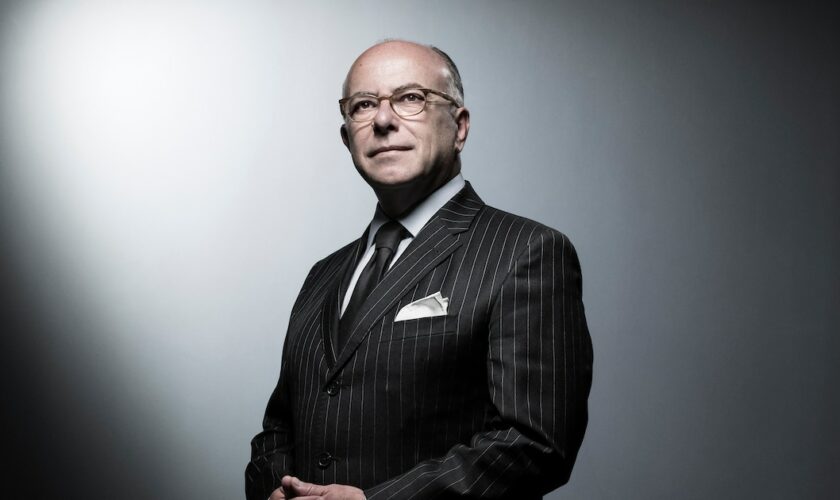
(385, 119)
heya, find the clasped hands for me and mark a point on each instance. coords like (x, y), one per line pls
(292, 487)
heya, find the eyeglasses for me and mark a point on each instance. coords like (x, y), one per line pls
(409, 102)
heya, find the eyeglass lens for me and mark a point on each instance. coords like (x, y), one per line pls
(406, 103)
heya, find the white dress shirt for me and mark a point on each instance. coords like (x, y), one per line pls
(412, 221)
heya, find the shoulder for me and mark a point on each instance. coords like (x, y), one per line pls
(329, 264)
(530, 248)
(519, 231)
(338, 255)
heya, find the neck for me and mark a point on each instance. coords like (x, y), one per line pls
(396, 201)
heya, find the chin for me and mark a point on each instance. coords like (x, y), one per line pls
(392, 178)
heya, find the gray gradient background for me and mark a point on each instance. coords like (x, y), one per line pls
(170, 170)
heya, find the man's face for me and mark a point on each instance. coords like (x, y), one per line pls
(418, 152)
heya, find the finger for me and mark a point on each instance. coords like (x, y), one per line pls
(304, 489)
(286, 482)
(296, 488)
(278, 494)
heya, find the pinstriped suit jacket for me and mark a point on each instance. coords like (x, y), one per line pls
(489, 401)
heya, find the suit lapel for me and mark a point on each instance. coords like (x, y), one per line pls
(435, 242)
(333, 297)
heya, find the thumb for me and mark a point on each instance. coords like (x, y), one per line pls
(302, 488)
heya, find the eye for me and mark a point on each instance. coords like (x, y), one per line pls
(412, 96)
(362, 104)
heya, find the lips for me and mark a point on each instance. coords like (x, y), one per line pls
(385, 149)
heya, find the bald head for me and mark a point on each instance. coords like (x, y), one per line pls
(426, 54)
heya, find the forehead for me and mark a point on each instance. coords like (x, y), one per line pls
(385, 67)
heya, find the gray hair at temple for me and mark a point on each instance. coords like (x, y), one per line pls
(455, 86)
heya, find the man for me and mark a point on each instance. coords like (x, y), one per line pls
(445, 353)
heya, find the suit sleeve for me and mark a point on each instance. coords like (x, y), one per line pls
(539, 371)
(271, 449)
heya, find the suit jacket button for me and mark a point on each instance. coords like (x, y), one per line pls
(324, 460)
(332, 389)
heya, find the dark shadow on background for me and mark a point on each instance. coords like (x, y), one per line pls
(59, 438)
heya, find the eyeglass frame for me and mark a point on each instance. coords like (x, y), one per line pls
(426, 102)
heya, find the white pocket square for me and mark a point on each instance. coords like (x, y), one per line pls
(427, 307)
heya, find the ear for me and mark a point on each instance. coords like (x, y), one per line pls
(344, 137)
(462, 120)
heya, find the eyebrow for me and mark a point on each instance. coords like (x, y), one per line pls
(405, 86)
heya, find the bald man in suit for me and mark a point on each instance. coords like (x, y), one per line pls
(443, 354)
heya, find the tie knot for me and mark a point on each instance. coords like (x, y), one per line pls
(389, 235)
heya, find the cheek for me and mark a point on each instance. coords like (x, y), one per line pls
(355, 142)
(443, 145)
(444, 136)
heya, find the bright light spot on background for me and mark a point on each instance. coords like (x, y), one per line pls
(134, 134)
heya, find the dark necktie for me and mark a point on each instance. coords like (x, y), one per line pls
(386, 241)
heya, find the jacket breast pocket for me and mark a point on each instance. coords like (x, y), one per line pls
(420, 328)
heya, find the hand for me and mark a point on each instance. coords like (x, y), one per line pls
(278, 494)
(293, 487)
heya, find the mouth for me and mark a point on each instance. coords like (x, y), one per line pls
(386, 149)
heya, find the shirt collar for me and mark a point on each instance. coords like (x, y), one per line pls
(414, 220)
